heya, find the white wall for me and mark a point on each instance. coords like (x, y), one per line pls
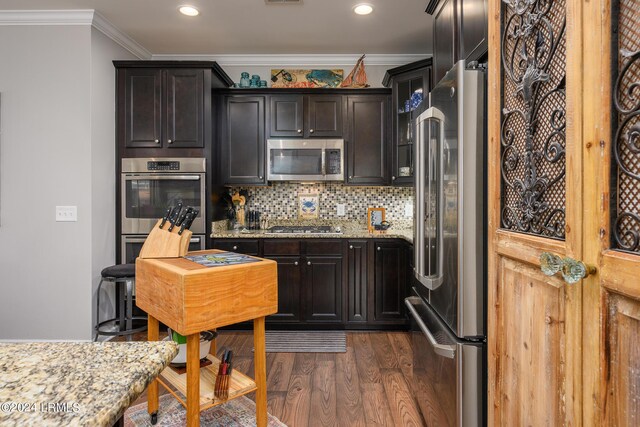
(57, 148)
(103, 164)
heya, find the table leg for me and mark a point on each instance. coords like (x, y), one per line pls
(153, 334)
(193, 380)
(260, 363)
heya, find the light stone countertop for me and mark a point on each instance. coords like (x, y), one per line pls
(350, 230)
(76, 383)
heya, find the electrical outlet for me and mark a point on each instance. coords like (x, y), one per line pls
(66, 213)
(340, 210)
(408, 210)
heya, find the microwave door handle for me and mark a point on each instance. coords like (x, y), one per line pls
(324, 163)
(448, 351)
(162, 177)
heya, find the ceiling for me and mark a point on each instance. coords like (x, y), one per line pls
(252, 27)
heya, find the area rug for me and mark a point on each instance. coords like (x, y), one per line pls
(306, 342)
(239, 412)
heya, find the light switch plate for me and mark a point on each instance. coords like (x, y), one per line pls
(408, 210)
(340, 210)
(66, 213)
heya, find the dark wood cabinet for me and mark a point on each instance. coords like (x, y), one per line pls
(357, 266)
(286, 115)
(406, 81)
(389, 281)
(140, 107)
(184, 120)
(368, 139)
(445, 38)
(460, 31)
(473, 21)
(322, 282)
(305, 116)
(243, 140)
(289, 284)
(241, 246)
(163, 108)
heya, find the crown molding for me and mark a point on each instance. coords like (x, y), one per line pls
(297, 60)
(88, 17)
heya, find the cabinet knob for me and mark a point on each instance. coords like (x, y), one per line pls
(299, 130)
(308, 262)
(310, 130)
(235, 248)
(350, 176)
(350, 246)
(378, 248)
(157, 141)
(572, 271)
(393, 178)
(170, 141)
(260, 177)
(295, 263)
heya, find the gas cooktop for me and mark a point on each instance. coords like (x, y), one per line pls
(304, 229)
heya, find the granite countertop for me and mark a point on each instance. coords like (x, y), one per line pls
(76, 383)
(350, 230)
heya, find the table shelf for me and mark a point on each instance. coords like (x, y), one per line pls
(240, 384)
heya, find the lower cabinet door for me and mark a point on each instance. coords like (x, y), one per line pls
(322, 288)
(289, 280)
(390, 281)
(357, 280)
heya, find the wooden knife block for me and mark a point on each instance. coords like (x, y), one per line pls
(162, 243)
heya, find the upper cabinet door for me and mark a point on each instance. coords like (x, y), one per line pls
(142, 105)
(445, 40)
(367, 141)
(473, 29)
(184, 126)
(324, 116)
(286, 116)
(243, 141)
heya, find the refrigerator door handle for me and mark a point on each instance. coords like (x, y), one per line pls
(432, 279)
(444, 350)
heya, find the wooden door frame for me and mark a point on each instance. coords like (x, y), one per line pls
(527, 248)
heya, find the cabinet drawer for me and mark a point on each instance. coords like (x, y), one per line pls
(281, 247)
(323, 247)
(248, 247)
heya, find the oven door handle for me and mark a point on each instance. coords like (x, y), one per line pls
(448, 351)
(162, 177)
(134, 239)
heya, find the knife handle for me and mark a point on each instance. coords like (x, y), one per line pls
(166, 216)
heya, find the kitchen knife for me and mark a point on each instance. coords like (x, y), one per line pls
(188, 219)
(194, 214)
(183, 216)
(166, 216)
(174, 216)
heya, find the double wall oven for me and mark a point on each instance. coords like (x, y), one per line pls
(148, 187)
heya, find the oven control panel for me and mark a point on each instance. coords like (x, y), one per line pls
(163, 166)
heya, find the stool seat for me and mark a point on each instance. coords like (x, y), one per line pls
(119, 271)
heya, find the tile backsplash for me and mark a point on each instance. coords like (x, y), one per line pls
(280, 200)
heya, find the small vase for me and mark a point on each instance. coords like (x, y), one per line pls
(244, 80)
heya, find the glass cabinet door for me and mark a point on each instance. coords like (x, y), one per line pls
(411, 92)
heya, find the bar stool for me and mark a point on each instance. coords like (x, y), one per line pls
(123, 275)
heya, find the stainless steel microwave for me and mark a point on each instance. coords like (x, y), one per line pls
(305, 160)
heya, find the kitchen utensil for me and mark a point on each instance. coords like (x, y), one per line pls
(166, 216)
(187, 220)
(175, 215)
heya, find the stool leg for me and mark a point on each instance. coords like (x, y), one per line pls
(121, 317)
(129, 316)
(98, 309)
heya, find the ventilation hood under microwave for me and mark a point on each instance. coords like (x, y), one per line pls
(305, 160)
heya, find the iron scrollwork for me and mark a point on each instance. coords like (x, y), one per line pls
(533, 117)
(626, 148)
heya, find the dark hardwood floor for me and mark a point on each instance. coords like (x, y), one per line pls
(369, 385)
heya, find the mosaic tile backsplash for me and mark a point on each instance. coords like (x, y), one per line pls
(280, 200)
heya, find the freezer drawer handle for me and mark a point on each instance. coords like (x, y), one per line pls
(444, 350)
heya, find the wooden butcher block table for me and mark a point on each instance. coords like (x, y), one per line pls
(191, 298)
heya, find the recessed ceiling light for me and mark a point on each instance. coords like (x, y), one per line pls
(363, 9)
(189, 10)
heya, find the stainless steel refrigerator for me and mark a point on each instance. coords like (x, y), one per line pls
(448, 302)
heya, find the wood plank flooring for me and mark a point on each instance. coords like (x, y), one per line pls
(369, 385)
